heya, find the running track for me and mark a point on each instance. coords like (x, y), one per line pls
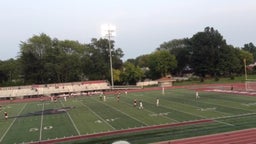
(126, 131)
(247, 136)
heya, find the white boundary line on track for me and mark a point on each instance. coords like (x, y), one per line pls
(78, 132)
(203, 136)
(41, 124)
(233, 116)
(98, 116)
(12, 123)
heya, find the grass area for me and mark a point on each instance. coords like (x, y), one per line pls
(36, 121)
(237, 79)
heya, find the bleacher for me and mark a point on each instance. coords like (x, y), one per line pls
(53, 89)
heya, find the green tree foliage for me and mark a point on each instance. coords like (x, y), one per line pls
(180, 49)
(229, 61)
(46, 60)
(32, 58)
(9, 72)
(161, 63)
(97, 60)
(205, 52)
(250, 48)
(131, 73)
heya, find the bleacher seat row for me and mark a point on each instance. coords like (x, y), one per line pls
(50, 89)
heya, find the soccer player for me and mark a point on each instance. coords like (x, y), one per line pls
(101, 97)
(197, 95)
(141, 105)
(134, 102)
(65, 98)
(162, 90)
(55, 99)
(157, 102)
(5, 115)
(104, 98)
(118, 98)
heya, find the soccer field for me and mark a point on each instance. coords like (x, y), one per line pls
(39, 121)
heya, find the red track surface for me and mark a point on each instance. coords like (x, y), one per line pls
(247, 136)
(131, 130)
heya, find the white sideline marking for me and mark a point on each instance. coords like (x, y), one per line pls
(233, 116)
(98, 115)
(224, 122)
(41, 125)
(12, 123)
(71, 120)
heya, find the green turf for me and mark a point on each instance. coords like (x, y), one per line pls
(89, 115)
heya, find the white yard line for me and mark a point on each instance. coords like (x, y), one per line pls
(41, 125)
(125, 114)
(98, 116)
(71, 120)
(197, 106)
(227, 106)
(183, 111)
(12, 123)
(219, 104)
(153, 112)
(202, 117)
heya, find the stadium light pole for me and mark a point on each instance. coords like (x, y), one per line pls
(245, 71)
(109, 31)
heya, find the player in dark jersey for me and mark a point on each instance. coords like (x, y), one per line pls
(5, 115)
(134, 102)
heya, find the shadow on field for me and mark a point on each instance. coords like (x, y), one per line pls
(46, 112)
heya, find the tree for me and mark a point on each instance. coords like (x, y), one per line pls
(32, 58)
(205, 52)
(245, 55)
(229, 62)
(96, 63)
(131, 73)
(44, 60)
(161, 63)
(9, 72)
(250, 48)
(180, 49)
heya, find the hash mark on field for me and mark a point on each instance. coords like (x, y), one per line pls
(125, 113)
(98, 115)
(78, 132)
(12, 123)
(154, 113)
(41, 126)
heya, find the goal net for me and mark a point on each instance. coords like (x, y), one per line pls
(250, 85)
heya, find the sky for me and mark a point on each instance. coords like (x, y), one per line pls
(141, 25)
